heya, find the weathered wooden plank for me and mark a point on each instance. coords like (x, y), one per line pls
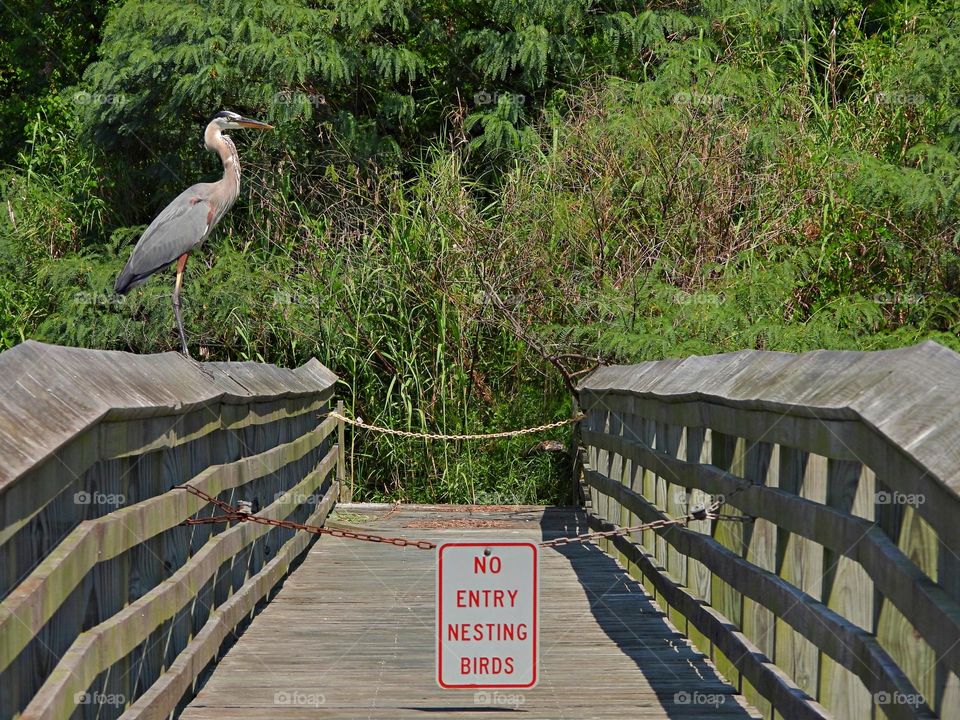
(767, 678)
(895, 629)
(129, 427)
(346, 491)
(648, 484)
(830, 633)
(209, 437)
(935, 615)
(669, 440)
(793, 652)
(728, 454)
(34, 601)
(71, 391)
(355, 624)
(760, 539)
(699, 450)
(164, 695)
(848, 590)
(104, 645)
(887, 410)
(614, 467)
(841, 439)
(633, 479)
(822, 434)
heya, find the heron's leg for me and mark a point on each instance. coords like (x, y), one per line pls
(181, 264)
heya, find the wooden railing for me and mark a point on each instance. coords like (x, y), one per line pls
(110, 605)
(839, 594)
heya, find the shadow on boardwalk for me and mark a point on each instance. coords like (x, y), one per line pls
(352, 634)
(685, 683)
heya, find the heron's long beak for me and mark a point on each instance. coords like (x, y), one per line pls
(256, 124)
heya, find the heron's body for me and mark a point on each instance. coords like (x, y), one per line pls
(188, 220)
(185, 224)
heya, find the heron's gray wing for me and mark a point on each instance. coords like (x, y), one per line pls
(179, 228)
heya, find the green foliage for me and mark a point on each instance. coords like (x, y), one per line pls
(454, 191)
(165, 60)
(44, 47)
(373, 76)
(53, 211)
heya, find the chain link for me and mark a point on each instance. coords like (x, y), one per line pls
(232, 514)
(709, 513)
(358, 422)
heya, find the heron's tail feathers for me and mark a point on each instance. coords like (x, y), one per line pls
(124, 283)
(136, 272)
(128, 280)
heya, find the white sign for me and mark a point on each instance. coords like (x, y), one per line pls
(487, 614)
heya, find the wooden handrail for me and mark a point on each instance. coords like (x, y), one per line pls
(812, 448)
(87, 590)
(106, 644)
(163, 696)
(849, 645)
(105, 538)
(935, 614)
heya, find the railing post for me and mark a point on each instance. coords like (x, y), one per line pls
(576, 463)
(346, 494)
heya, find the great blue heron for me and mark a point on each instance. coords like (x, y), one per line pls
(187, 221)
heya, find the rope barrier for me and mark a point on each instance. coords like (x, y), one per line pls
(243, 512)
(358, 422)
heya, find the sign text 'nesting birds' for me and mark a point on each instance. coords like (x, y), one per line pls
(487, 613)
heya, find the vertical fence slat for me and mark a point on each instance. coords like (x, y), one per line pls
(108, 432)
(835, 430)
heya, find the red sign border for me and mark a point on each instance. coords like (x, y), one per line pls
(536, 616)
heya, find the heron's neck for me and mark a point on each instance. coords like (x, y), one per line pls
(224, 147)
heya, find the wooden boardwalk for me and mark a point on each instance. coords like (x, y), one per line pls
(350, 634)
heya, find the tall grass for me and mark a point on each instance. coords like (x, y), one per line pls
(708, 209)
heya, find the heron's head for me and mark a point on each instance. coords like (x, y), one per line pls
(228, 120)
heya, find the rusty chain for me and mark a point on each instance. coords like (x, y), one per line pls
(708, 513)
(237, 514)
(359, 422)
(232, 513)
